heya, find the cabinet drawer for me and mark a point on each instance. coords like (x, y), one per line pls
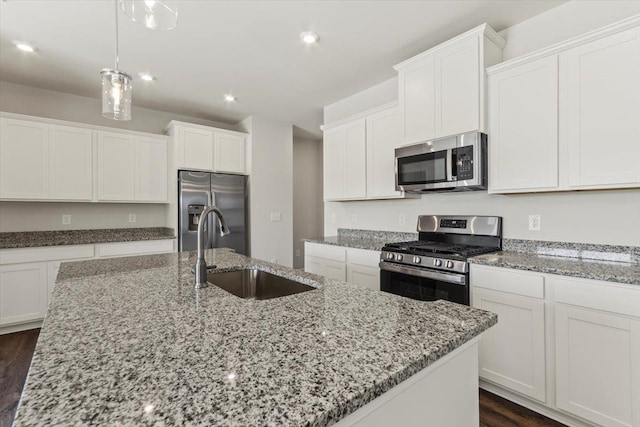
(507, 280)
(363, 257)
(51, 253)
(107, 250)
(335, 253)
(598, 295)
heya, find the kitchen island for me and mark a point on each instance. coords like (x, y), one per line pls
(130, 341)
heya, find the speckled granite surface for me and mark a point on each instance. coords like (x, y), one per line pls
(129, 341)
(363, 239)
(28, 239)
(598, 262)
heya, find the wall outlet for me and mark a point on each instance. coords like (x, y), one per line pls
(354, 219)
(132, 217)
(273, 260)
(402, 220)
(66, 219)
(333, 217)
(297, 252)
(276, 216)
(535, 222)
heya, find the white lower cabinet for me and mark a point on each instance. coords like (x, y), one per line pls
(28, 276)
(352, 265)
(581, 335)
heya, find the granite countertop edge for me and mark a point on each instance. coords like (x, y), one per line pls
(35, 239)
(349, 242)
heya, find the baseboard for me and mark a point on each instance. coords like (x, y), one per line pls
(9, 329)
(534, 406)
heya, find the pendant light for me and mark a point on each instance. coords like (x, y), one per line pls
(116, 88)
(153, 14)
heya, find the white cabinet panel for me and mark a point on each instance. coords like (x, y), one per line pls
(603, 111)
(151, 170)
(23, 292)
(457, 90)
(512, 353)
(195, 148)
(229, 153)
(383, 137)
(355, 168)
(364, 275)
(70, 163)
(523, 110)
(417, 102)
(314, 265)
(335, 270)
(598, 366)
(116, 166)
(112, 250)
(24, 159)
(52, 273)
(334, 163)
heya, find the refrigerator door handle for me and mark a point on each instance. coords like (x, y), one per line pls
(214, 221)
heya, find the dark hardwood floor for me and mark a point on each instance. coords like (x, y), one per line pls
(17, 349)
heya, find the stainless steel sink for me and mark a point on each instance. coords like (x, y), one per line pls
(256, 284)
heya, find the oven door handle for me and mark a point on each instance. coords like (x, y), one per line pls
(458, 279)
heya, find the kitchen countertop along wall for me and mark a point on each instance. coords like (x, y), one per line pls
(372, 240)
(29, 239)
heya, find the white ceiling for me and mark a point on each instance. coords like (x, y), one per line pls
(248, 48)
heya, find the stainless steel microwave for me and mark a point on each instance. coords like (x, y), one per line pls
(453, 163)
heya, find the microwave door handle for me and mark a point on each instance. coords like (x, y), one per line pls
(449, 165)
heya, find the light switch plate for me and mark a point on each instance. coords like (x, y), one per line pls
(132, 217)
(276, 216)
(66, 219)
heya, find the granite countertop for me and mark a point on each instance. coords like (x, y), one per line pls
(130, 341)
(29, 239)
(372, 240)
(596, 269)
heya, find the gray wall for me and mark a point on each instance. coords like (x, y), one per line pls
(307, 195)
(607, 217)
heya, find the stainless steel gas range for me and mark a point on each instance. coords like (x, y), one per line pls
(435, 266)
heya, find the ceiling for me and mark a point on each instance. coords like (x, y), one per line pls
(248, 48)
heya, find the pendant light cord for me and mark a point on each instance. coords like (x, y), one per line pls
(117, 58)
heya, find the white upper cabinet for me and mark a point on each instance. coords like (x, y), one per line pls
(442, 90)
(383, 137)
(24, 159)
(523, 111)
(229, 152)
(345, 170)
(334, 163)
(602, 101)
(70, 163)
(116, 166)
(151, 169)
(195, 148)
(566, 118)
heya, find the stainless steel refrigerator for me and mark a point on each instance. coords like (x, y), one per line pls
(197, 190)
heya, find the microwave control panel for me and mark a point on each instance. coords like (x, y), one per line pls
(463, 163)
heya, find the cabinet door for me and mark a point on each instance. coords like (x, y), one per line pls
(417, 101)
(195, 148)
(24, 159)
(523, 141)
(383, 136)
(314, 265)
(116, 166)
(355, 167)
(23, 292)
(603, 110)
(151, 170)
(70, 163)
(364, 275)
(334, 163)
(53, 267)
(512, 353)
(335, 270)
(457, 88)
(598, 366)
(229, 153)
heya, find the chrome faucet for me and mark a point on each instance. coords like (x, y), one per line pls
(200, 269)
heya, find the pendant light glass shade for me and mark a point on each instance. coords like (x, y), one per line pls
(154, 14)
(116, 94)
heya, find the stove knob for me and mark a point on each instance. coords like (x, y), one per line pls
(437, 262)
(390, 256)
(399, 257)
(449, 264)
(417, 260)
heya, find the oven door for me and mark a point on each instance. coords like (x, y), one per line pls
(423, 284)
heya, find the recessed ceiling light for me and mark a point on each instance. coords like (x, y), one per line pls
(309, 37)
(25, 47)
(229, 98)
(147, 77)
